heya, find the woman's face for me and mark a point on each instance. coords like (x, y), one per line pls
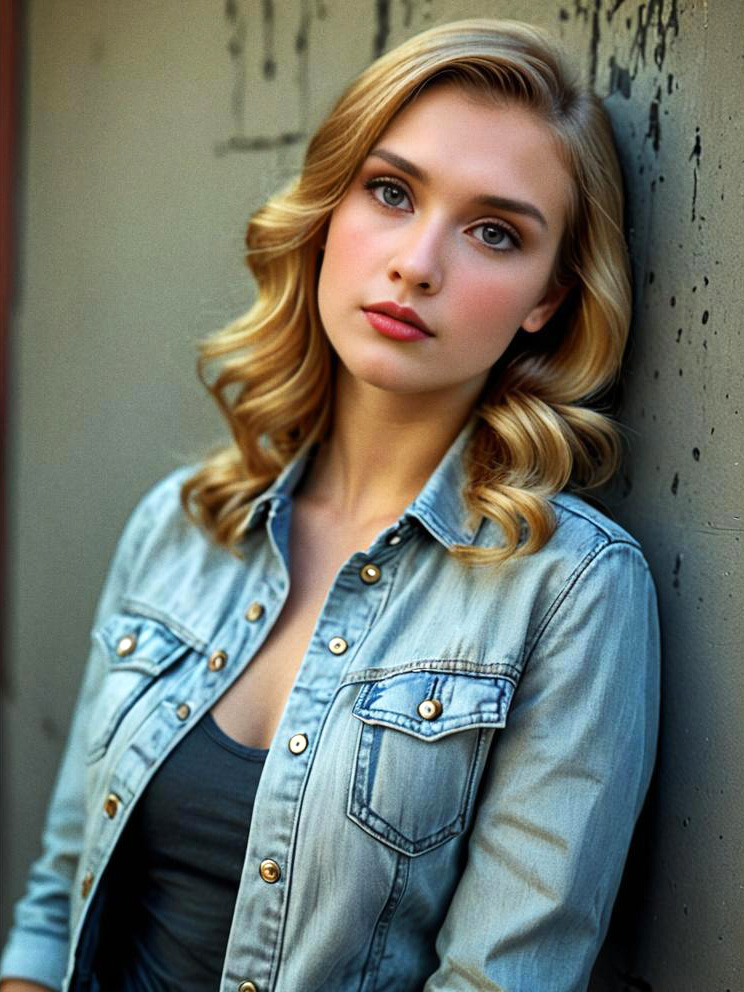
(457, 214)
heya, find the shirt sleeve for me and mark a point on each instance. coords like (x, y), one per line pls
(561, 792)
(38, 943)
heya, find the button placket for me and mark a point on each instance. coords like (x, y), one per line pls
(352, 607)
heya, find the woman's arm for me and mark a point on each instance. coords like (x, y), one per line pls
(562, 791)
(36, 953)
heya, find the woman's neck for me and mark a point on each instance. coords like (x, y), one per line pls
(382, 449)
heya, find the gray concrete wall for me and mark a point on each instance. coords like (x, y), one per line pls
(152, 131)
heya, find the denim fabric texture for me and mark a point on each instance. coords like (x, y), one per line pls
(474, 843)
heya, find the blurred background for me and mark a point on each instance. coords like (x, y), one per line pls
(140, 138)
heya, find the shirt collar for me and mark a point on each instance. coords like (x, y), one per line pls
(439, 507)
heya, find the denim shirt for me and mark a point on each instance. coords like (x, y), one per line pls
(451, 791)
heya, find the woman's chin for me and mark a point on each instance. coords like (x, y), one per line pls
(386, 375)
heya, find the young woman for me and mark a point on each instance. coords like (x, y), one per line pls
(395, 646)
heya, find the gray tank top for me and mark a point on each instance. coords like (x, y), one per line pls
(175, 874)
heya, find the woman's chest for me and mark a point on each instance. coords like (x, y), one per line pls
(251, 709)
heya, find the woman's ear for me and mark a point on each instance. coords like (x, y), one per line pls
(538, 317)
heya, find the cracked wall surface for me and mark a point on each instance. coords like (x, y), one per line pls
(150, 136)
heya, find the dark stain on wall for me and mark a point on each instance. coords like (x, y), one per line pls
(695, 154)
(594, 42)
(654, 124)
(267, 23)
(302, 51)
(676, 570)
(237, 19)
(236, 49)
(382, 27)
(655, 24)
(261, 142)
(620, 81)
(651, 25)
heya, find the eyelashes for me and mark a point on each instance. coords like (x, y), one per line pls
(391, 194)
(384, 185)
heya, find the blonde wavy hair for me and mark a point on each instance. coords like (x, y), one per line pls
(537, 432)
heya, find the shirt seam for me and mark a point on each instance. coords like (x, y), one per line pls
(140, 608)
(568, 586)
(583, 515)
(450, 666)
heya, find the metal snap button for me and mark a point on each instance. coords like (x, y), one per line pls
(269, 871)
(87, 884)
(111, 805)
(429, 709)
(217, 661)
(297, 743)
(126, 645)
(254, 612)
(247, 987)
(337, 645)
(370, 573)
(183, 711)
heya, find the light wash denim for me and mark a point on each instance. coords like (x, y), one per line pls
(476, 757)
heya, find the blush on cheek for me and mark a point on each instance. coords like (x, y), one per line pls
(501, 308)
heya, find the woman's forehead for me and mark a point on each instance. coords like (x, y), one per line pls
(474, 144)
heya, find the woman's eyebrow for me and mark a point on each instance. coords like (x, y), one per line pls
(401, 163)
(485, 199)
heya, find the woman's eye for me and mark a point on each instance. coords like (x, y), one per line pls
(496, 237)
(387, 193)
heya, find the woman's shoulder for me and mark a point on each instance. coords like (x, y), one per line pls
(581, 531)
(589, 548)
(158, 513)
(164, 559)
(586, 547)
(580, 523)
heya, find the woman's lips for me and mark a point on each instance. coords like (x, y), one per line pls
(392, 327)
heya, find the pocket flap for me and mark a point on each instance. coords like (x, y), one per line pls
(431, 704)
(139, 644)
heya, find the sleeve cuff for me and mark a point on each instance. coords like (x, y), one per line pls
(35, 957)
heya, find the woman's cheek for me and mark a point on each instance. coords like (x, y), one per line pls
(490, 306)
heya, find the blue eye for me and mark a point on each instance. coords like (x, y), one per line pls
(386, 192)
(496, 237)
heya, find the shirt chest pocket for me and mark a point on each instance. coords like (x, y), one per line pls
(136, 652)
(421, 747)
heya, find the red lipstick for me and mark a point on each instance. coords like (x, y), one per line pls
(394, 321)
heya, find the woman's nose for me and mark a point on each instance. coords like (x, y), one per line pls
(417, 260)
